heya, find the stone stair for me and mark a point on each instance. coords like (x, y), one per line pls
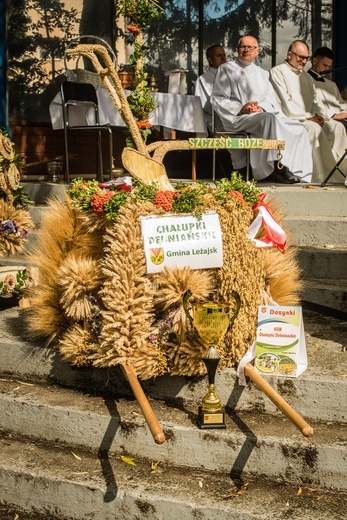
(316, 220)
(64, 430)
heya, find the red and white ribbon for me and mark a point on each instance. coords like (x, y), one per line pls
(274, 234)
(121, 183)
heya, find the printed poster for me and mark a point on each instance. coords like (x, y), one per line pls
(280, 348)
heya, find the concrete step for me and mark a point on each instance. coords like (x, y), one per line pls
(64, 416)
(52, 413)
(309, 200)
(327, 293)
(313, 216)
(316, 231)
(36, 213)
(323, 263)
(41, 192)
(325, 276)
(313, 231)
(318, 394)
(73, 484)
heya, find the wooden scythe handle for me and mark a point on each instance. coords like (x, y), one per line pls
(146, 408)
(296, 418)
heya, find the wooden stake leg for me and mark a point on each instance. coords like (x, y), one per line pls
(296, 418)
(146, 408)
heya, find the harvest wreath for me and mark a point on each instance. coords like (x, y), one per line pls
(15, 220)
(95, 302)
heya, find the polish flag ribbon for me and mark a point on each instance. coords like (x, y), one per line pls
(121, 183)
(274, 234)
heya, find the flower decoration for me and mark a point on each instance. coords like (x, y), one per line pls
(133, 29)
(9, 226)
(139, 13)
(14, 282)
(106, 199)
(98, 200)
(164, 199)
(15, 220)
(234, 188)
(143, 124)
(11, 236)
(15, 224)
(236, 195)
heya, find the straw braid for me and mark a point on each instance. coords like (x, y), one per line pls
(114, 87)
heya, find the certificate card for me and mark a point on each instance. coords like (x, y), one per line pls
(280, 348)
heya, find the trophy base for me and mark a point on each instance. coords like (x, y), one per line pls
(210, 421)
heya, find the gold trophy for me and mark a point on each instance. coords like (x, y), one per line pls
(212, 320)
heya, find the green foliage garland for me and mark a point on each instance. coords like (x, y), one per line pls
(140, 13)
(188, 198)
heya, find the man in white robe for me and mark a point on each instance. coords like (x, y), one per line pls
(204, 84)
(329, 97)
(298, 99)
(245, 101)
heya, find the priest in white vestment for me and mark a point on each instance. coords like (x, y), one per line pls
(298, 99)
(204, 84)
(329, 96)
(245, 101)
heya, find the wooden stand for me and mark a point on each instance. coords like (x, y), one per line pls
(296, 418)
(146, 408)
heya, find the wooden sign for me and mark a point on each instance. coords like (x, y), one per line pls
(238, 143)
(182, 240)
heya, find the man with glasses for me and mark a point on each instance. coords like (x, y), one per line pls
(328, 92)
(298, 99)
(215, 55)
(245, 101)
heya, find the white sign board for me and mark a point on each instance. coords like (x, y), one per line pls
(280, 345)
(182, 241)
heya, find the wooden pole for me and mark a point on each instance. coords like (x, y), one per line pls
(146, 408)
(296, 418)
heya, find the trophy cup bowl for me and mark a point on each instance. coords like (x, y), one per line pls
(212, 320)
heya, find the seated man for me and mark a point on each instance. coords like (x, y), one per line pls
(204, 84)
(298, 100)
(245, 101)
(329, 97)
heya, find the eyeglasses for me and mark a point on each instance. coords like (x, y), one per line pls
(247, 48)
(304, 58)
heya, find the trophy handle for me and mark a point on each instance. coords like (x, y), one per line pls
(235, 295)
(186, 297)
